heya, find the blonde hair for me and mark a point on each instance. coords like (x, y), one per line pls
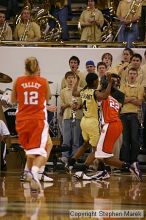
(31, 65)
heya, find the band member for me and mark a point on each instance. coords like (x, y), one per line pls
(128, 12)
(5, 29)
(27, 30)
(32, 92)
(91, 21)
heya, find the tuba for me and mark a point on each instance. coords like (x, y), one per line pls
(50, 27)
(3, 30)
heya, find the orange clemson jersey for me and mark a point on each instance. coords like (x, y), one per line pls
(110, 110)
(31, 96)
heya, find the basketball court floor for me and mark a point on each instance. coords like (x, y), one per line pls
(67, 198)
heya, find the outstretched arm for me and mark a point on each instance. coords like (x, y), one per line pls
(75, 91)
(103, 95)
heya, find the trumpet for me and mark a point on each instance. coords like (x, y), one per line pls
(24, 36)
(3, 30)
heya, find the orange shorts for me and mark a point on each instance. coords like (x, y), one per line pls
(109, 134)
(32, 134)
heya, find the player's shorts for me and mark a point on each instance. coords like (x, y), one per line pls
(90, 130)
(109, 134)
(33, 136)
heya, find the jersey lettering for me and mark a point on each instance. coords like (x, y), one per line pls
(114, 105)
(31, 98)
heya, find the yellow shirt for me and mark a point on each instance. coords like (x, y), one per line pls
(6, 33)
(144, 3)
(32, 30)
(123, 9)
(82, 81)
(133, 90)
(66, 98)
(90, 106)
(91, 32)
(140, 78)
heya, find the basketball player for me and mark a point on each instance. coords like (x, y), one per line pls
(32, 92)
(89, 122)
(111, 129)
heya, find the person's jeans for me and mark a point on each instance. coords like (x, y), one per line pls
(129, 36)
(71, 136)
(130, 146)
(142, 31)
(62, 17)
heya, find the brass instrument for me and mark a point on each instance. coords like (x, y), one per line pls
(24, 36)
(132, 11)
(43, 19)
(3, 30)
(49, 33)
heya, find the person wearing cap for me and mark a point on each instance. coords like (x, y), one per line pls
(90, 67)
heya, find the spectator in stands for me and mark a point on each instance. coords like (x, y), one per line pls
(128, 26)
(91, 21)
(107, 58)
(101, 70)
(129, 116)
(72, 114)
(27, 30)
(127, 55)
(90, 67)
(5, 29)
(59, 9)
(74, 63)
(136, 62)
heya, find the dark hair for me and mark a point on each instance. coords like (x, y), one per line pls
(2, 12)
(69, 73)
(101, 64)
(145, 53)
(133, 69)
(107, 54)
(137, 55)
(131, 52)
(75, 58)
(90, 78)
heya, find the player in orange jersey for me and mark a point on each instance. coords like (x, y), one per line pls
(32, 92)
(111, 129)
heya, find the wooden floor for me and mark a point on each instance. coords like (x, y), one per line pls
(121, 192)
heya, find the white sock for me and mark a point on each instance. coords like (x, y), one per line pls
(26, 168)
(35, 171)
(41, 171)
